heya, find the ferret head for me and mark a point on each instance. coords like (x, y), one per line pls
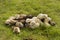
(16, 30)
(52, 23)
(29, 16)
(19, 24)
(20, 16)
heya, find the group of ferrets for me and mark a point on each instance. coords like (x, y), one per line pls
(22, 20)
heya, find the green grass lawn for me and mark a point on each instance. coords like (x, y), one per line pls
(11, 7)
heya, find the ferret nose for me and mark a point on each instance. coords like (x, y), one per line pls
(53, 24)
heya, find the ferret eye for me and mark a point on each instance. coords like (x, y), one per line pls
(28, 22)
(42, 20)
(49, 22)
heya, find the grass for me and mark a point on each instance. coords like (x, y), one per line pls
(11, 7)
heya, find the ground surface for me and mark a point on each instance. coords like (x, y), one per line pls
(34, 7)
